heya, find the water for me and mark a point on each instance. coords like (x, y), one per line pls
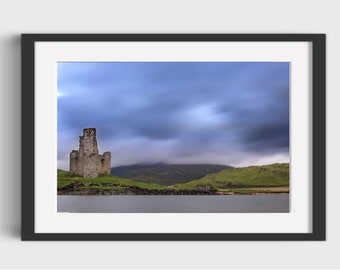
(276, 203)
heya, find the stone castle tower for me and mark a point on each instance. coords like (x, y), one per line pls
(86, 161)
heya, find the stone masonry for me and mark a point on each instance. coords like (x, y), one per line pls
(86, 161)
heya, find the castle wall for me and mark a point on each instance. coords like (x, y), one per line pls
(105, 162)
(74, 160)
(87, 162)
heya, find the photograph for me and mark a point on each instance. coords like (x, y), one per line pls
(173, 137)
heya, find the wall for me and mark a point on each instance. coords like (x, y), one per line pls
(191, 16)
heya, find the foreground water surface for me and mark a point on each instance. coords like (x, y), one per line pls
(275, 203)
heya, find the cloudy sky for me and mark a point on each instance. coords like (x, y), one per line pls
(233, 113)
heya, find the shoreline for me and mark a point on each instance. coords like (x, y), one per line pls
(132, 191)
(81, 189)
(108, 192)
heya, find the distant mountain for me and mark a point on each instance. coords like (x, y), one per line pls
(166, 174)
(273, 175)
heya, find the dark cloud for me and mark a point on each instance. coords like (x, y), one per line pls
(177, 112)
(267, 138)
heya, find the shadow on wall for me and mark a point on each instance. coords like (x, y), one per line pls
(10, 179)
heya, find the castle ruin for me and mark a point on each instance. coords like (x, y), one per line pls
(86, 161)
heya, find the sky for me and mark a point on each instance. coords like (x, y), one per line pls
(232, 113)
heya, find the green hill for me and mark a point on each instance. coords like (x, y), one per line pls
(166, 174)
(272, 178)
(101, 182)
(274, 175)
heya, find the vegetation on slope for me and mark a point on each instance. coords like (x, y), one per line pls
(166, 174)
(272, 178)
(102, 182)
(274, 175)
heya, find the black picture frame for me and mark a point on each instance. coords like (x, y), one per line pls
(29, 165)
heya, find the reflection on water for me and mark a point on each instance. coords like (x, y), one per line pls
(277, 203)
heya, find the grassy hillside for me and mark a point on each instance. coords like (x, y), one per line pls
(166, 174)
(272, 178)
(102, 182)
(274, 175)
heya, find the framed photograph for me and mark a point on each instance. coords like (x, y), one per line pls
(179, 137)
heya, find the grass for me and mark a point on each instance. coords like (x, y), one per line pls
(166, 174)
(274, 175)
(248, 180)
(103, 182)
(63, 183)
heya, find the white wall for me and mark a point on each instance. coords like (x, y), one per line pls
(173, 16)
